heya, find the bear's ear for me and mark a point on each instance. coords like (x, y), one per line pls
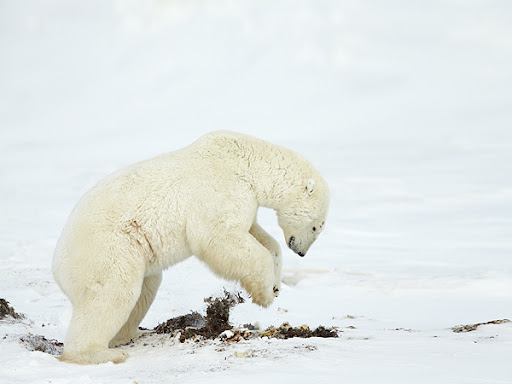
(310, 186)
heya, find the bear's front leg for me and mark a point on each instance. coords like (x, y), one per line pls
(273, 247)
(237, 255)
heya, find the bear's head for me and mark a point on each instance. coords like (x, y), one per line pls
(302, 218)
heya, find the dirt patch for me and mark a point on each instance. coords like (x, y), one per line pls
(216, 324)
(42, 344)
(7, 311)
(472, 327)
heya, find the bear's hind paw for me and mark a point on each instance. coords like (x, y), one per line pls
(95, 356)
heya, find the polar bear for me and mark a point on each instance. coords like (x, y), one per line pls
(201, 200)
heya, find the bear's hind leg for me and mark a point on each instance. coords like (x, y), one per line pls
(99, 314)
(130, 329)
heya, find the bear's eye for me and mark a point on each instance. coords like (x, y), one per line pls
(314, 229)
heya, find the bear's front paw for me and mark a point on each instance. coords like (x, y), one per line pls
(276, 291)
(261, 293)
(263, 300)
(277, 282)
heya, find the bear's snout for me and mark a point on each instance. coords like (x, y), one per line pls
(293, 246)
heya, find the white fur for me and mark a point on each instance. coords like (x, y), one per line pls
(201, 200)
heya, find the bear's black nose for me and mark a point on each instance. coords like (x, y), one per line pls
(300, 254)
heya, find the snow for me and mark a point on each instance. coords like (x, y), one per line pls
(405, 107)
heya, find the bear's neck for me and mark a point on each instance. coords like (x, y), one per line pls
(273, 173)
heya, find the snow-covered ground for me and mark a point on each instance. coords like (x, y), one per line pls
(405, 107)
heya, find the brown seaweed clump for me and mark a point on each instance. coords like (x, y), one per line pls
(42, 344)
(7, 311)
(286, 331)
(216, 324)
(180, 323)
(209, 327)
(472, 327)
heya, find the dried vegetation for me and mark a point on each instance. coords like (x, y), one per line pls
(216, 324)
(473, 327)
(6, 311)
